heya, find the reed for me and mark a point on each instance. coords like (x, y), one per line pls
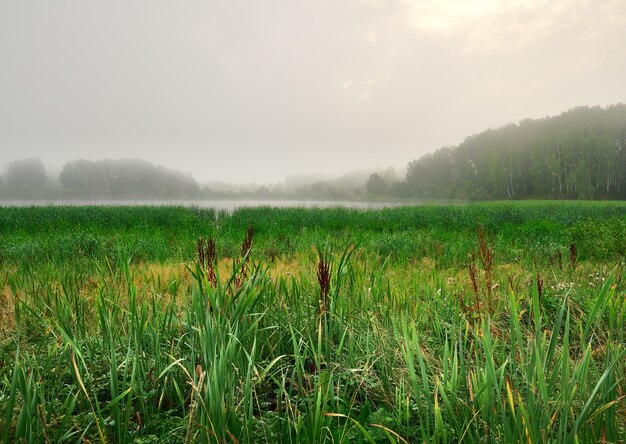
(330, 342)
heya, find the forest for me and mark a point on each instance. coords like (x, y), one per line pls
(579, 154)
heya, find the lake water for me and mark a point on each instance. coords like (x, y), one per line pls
(218, 204)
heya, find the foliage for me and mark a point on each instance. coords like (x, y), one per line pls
(356, 329)
(376, 185)
(522, 230)
(27, 173)
(126, 178)
(580, 154)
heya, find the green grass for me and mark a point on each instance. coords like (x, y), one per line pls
(110, 331)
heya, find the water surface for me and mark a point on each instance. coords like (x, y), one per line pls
(218, 204)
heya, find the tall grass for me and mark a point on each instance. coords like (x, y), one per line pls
(330, 344)
(522, 230)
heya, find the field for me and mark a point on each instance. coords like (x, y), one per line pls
(491, 322)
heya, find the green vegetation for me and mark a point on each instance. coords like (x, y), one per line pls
(126, 178)
(580, 154)
(499, 322)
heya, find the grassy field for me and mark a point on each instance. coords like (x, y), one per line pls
(495, 322)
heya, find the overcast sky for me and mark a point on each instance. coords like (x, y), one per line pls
(256, 90)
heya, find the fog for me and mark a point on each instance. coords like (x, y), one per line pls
(259, 91)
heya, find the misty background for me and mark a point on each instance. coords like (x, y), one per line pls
(284, 94)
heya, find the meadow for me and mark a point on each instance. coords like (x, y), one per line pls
(485, 322)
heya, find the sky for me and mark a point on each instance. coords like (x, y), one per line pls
(254, 91)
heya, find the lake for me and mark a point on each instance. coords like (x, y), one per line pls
(218, 204)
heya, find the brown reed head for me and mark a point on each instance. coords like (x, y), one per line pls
(323, 278)
(573, 254)
(201, 253)
(211, 259)
(246, 245)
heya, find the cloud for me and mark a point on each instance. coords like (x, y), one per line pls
(487, 26)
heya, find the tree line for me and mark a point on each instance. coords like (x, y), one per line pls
(124, 178)
(127, 178)
(580, 154)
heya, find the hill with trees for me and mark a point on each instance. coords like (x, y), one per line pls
(580, 154)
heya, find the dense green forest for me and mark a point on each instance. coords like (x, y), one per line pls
(579, 154)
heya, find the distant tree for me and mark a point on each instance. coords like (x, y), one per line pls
(390, 175)
(126, 178)
(399, 189)
(263, 190)
(27, 173)
(431, 175)
(376, 185)
(79, 175)
(319, 188)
